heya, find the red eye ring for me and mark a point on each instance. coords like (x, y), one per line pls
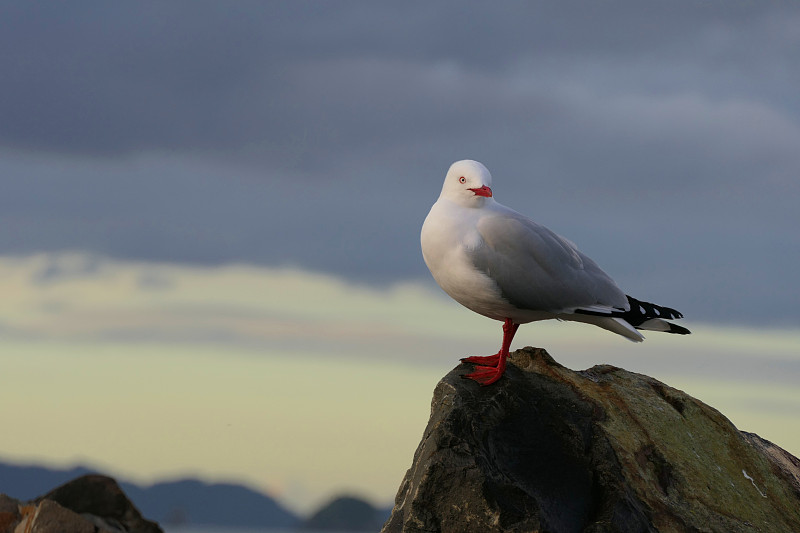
(462, 179)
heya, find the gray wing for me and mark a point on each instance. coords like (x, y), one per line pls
(537, 269)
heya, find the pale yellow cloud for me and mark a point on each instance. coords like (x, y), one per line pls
(73, 296)
(295, 382)
(301, 427)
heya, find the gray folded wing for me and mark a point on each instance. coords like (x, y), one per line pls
(537, 269)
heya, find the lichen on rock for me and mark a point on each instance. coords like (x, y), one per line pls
(551, 449)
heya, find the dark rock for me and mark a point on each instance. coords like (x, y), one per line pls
(345, 514)
(102, 502)
(9, 513)
(172, 503)
(604, 450)
(88, 504)
(45, 517)
(50, 517)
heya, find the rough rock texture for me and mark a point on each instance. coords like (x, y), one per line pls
(88, 504)
(604, 450)
(9, 513)
(50, 517)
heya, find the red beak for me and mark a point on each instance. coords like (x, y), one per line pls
(483, 191)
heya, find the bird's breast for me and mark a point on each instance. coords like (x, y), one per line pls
(446, 243)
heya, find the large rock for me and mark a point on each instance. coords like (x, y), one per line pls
(88, 504)
(549, 449)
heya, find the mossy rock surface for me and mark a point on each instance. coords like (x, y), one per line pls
(551, 449)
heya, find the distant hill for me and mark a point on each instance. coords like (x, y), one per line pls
(28, 482)
(171, 503)
(347, 513)
(195, 502)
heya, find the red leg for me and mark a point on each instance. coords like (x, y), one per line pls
(492, 366)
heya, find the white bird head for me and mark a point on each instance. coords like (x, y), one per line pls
(467, 183)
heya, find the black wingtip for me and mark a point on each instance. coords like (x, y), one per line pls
(643, 311)
(640, 312)
(680, 330)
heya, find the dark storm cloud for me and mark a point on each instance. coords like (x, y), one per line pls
(664, 138)
(109, 78)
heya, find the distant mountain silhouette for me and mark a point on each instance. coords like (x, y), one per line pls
(195, 502)
(28, 482)
(347, 513)
(178, 502)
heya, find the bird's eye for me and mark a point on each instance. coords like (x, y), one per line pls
(462, 179)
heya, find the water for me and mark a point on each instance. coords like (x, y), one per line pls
(218, 529)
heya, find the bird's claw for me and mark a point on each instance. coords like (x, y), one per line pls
(484, 360)
(484, 375)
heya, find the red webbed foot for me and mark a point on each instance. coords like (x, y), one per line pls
(485, 360)
(491, 367)
(485, 375)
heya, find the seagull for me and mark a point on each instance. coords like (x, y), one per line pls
(503, 265)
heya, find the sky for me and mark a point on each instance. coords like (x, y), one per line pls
(210, 215)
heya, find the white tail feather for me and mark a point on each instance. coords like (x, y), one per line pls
(616, 325)
(655, 324)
